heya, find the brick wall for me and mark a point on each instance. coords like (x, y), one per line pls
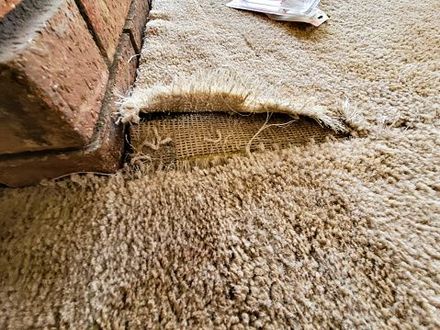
(106, 18)
(61, 64)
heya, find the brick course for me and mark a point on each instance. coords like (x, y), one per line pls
(107, 19)
(56, 102)
(52, 83)
(135, 24)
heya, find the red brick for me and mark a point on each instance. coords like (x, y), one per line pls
(103, 155)
(52, 79)
(107, 18)
(136, 21)
(124, 70)
(7, 5)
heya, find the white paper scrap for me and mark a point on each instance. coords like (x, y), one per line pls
(285, 10)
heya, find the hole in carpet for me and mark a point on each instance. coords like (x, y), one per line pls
(179, 140)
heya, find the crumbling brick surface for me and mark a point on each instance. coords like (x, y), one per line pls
(107, 19)
(52, 79)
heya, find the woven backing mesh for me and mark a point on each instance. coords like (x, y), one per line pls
(205, 137)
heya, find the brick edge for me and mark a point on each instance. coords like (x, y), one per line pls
(105, 153)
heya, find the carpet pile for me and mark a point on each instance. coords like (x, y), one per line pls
(344, 233)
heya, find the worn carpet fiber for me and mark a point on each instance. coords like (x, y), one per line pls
(341, 234)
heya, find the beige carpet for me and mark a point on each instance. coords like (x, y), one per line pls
(381, 57)
(343, 234)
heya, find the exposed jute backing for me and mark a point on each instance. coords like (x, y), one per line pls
(340, 234)
(224, 60)
(206, 139)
